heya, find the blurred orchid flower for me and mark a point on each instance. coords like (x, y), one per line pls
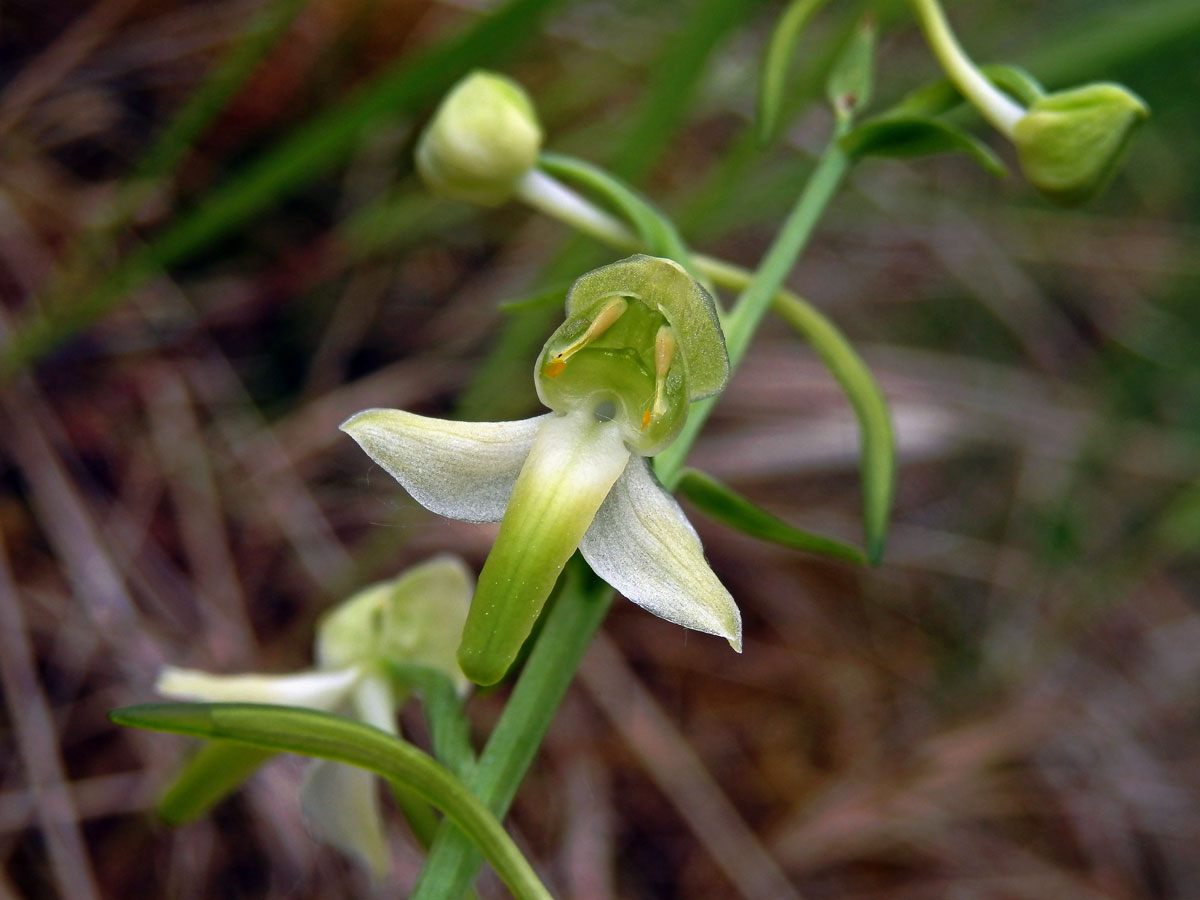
(416, 619)
(640, 342)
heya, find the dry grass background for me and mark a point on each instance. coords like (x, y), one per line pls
(1006, 708)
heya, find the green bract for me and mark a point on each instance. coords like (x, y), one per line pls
(414, 619)
(641, 340)
(1071, 142)
(483, 138)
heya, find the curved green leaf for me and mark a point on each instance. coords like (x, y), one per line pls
(772, 83)
(877, 462)
(728, 507)
(211, 774)
(906, 137)
(325, 736)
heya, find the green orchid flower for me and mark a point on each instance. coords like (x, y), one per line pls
(416, 619)
(640, 342)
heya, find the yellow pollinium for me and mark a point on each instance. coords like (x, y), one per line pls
(664, 354)
(608, 315)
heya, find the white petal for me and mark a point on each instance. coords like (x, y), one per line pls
(313, 689)
(340, 805)
(643, 545)
(461, 470)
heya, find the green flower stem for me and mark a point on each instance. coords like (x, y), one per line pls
(546, 193)
(567, 630)
(993, 104)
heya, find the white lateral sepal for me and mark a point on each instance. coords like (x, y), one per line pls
(642, 544)
(461, 470)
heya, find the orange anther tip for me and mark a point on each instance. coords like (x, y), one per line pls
(555, 367)
(645, 419)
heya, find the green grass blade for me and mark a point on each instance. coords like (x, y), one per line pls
(311, 150)
(324, 736)
(719, 502)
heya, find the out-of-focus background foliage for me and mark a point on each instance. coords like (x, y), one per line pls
(1006, 708)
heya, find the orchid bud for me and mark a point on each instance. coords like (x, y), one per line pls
(483, 138)
(1071, 142)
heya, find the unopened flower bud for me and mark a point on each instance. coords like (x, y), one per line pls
(1071, 142)
(484, 137)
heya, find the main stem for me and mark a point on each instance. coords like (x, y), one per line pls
(583, 600)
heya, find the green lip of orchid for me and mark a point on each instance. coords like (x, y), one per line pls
(414, 618)
(640, 342)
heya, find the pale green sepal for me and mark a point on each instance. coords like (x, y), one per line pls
(482, 139)
(416, 618)
(313, 689)
(643, 545)
(1071, 142)
(341, 807)
(571, 467)
(461, 470)
(664, 285)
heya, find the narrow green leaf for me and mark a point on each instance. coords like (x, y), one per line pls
(852, 78)
(656, 231)
(877, 463)
(777, 60)
(728, 507)
(907, 137)
(325, 736)
(212, 773)
(448, 725)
